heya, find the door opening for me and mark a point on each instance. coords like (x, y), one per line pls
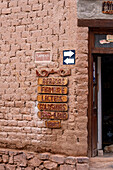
(102, 102)
(107, 100)
(100, 106)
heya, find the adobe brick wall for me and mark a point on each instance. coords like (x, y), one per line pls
(26, 26)
(23, 160)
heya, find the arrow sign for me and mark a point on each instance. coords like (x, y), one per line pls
(69, 57)
(69, 61)
(68, 53)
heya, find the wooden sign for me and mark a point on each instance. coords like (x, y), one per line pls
(52, 98)
(107, 7)
(53, 107)
(109, 38)
(53, 115)
(53, 81)
(53, 124)
(52, 89)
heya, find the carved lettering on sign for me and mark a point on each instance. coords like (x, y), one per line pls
(53, 124)
(53, 81)
(53, 115)
(52, 89)
(52, 98)
(53, 107)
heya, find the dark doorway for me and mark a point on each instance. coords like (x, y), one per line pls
(107, 100)
(97, 139)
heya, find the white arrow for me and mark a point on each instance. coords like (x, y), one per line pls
(68, 53)
(69, 60)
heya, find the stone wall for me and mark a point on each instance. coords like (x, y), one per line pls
(91, 9)
(22, 160)
(27, 26)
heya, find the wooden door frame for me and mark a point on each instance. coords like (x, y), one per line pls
(94, 51)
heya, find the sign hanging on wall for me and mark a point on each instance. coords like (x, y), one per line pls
(53, 124)
(42, 56)
(52, 89)
(68, 57)
(53, 106)
(52, 98)
(53, 115)
(53, 81)
(107, 7)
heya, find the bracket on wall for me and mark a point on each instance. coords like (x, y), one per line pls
(61, 72)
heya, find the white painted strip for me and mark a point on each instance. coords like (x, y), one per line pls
(99, 105)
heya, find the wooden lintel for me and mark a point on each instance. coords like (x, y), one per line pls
(108, 23)
(102, 51)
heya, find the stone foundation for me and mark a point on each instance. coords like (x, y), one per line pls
(24, 160)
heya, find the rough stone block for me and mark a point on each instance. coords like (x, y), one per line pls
(28, 168)
(41, 167)
(11, 160)
(67, 167)
(82, 167)
(1, 160)
(30, 155)
(71, 160)
(82, 159)
(5, 158)
(50, 165)
(10, 167)
(34, 162)
(57, 158)
(44, 156)
(20, 160)
(2, 167)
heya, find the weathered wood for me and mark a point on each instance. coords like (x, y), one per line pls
(53, 81)
(52, 89)
(53, 124)
(60, 72)
(52, 98)
(53, 115)
(95, 23)
(53, 106)
(102, 51)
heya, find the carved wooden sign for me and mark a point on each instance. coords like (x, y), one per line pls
(53, 106)
(52, 89)
(107, 7)
(46, 73)
(53, 81)
(52, 98)
(53, 124)
(53, 115)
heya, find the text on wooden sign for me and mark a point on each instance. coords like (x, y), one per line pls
(52, 89)
(53, 107)
(53, 81)
(53, 124)
(53, 115)
(52, 98)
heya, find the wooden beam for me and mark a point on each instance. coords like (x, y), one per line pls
(102, 51)
(108, 23)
